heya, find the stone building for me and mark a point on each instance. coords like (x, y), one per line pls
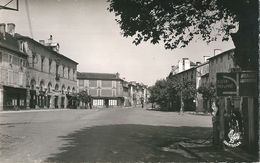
(109, 90)
(202, 77)
(105, 89)
(50, 77)
(13, 70)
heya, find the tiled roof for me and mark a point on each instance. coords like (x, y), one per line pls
(18, 36)
(9, 42)
(100, 76)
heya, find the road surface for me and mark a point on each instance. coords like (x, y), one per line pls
(99, 135)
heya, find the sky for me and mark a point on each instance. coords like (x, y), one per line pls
(88, 34)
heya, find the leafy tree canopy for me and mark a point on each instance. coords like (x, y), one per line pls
(82, 96)
(177, 22)
(208, 91)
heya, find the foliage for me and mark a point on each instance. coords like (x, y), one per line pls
(208, 91)
(82, 96)
(159, 92)
(165, 91)
(178, 22)
(187, 89)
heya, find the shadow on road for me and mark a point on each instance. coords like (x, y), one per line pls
(128, 143)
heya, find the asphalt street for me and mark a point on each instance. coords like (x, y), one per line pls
(99, 135)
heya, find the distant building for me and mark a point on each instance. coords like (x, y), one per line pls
(183, 65)
(109, 90)
(106, 89)
(13, 68)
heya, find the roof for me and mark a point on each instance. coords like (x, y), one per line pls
(192, 63)
(97, 76)
(18, 36)
(225, 52)
(7, 41)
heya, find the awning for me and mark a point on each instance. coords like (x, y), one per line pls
(14, 89)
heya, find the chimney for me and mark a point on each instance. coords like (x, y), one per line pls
(180, 64)
(11, 28)
(117, 75)
(2, 28)
(217, 51)
(206, 58)
(186, 63)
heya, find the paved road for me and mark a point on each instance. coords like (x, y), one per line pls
(99, 135)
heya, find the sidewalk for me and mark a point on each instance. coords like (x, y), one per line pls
(209, 153)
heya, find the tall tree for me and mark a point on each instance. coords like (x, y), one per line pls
(208, 91)
(178, 22)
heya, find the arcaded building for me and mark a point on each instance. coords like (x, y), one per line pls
(51, 77)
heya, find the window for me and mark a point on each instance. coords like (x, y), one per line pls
(73, 77)
(20, 79)
(42, 63)
(21, 62)
(10, 59)
(63, 71)
(81, 83)
(92, 83)
(50, 61)
(1, 53)
(56, 87)
(106, 84)
(68, 73)
(34, 59)
(49, 87)
(57, 69)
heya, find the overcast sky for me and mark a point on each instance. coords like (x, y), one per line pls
(88, 34)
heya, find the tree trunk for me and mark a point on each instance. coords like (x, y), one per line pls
(246, 54)
(246, 38)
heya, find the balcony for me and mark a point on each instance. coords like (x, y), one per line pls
(57, 77)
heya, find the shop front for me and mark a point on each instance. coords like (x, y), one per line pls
(14, 98)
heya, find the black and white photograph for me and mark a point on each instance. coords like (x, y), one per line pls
(110, 81)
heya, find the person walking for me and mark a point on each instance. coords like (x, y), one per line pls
(90, 102)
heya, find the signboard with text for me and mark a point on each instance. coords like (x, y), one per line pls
(242, 83)
(227, 84)
(248, 84)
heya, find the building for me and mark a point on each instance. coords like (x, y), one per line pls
(138, 93)
(105, 89)
(50, 77)
(183, 65)
(109, 90)
(202, 77)
(222, 62)
(13, 69)
(185, 71)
